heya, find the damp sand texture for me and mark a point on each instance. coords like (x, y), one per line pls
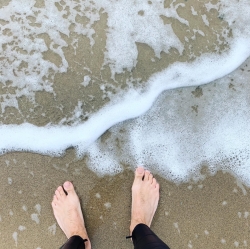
(83, 98)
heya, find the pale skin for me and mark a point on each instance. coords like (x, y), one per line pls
(68, 213)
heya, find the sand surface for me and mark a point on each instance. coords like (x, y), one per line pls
(213, 213)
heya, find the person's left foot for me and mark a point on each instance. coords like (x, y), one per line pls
(68, 213)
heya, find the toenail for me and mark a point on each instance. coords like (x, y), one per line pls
(67, 184)
(140, 170)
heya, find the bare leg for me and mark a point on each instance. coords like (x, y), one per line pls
(145, 197)
(68, 213)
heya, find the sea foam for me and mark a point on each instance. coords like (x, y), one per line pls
(122, 54)
(190, 132)
(54, 140)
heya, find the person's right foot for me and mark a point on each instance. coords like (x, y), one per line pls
(68, 213)
(145, 197)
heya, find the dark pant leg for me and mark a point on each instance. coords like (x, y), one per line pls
(74, 242)
(144, 238)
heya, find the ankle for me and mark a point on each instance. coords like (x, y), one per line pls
(134, 224)
(84, 236)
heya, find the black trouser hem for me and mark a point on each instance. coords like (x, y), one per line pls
(74, 242)
(144, 238)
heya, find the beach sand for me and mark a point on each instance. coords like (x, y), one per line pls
(213, 213)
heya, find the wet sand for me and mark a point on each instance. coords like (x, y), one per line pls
(213, 213)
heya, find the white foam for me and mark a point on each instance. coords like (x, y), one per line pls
(21, 228)
(122, 54)
(38, 208)
(29, 49)
(52, 229)
(54, 140)
(194, 12)
(205, 20)
(178, 142)
(107, 205)
(125, 21)
(14, 236)
(24, 208)
(9, 180)
(86, 80)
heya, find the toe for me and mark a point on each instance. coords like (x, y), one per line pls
(147, 174)
(54, 201)
(55, 197)
(57, 194)
(154, 182)
(139, 173)
(157, 186)
(61, 191)
(69, 188)
(150, 178)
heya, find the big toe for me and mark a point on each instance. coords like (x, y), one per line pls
(69, 188)
(139, 173)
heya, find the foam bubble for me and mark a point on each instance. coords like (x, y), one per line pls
(35, 218)
(14, 236)
(21, 228)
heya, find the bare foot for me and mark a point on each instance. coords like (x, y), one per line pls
(68, 213)
(145, 197)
